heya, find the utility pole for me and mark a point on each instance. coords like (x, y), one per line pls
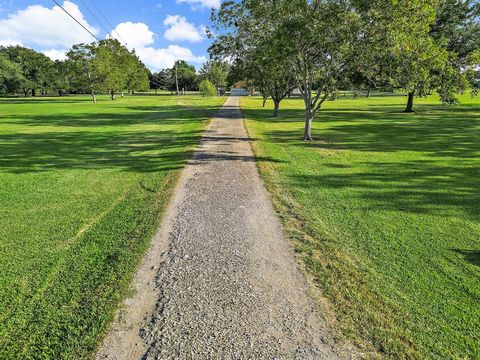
(176, 77)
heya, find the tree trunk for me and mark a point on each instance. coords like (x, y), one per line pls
(368, 92)
(94, 98)
(112, 93)
(276, 108)
(34, 92)
(409, 108)
(265, 98)
(156, 91)
(25, 91)
(307, 136)
(59, 92)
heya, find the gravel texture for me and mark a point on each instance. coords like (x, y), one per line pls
(227, 285)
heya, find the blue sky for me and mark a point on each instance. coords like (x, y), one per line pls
(161, 31)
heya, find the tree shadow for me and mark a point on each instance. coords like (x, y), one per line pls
(102, 140)
(446, 179)
(454, 132)
(419, 187)
(472, 256)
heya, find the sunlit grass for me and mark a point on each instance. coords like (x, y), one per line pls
(82, 188)
(383, 209)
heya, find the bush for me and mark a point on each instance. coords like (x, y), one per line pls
(207, 88)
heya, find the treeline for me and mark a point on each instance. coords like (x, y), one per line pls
(320, 47)
(105, 66)
(183, 77)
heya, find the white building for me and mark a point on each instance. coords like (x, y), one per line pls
(239, 92)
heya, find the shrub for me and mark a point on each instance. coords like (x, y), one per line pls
(207, 88)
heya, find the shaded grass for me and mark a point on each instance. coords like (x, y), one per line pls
(384, 212)
(82, 190)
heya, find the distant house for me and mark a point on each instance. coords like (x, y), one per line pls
(239, 92)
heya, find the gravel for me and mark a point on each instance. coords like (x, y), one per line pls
(227, 285)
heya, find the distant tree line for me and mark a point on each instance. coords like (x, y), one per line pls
(105, 66)
(186, 77)
(320, 47)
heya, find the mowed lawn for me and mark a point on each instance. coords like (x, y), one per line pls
(82, 190)
(384, 212)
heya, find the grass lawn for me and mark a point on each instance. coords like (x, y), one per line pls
(82, 189)
(384, 212)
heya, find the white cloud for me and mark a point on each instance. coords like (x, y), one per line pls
(136, 35)
(8, 42)
(55, 54)
(140, 37)
(37, 25)
(181, 30)
(196, 4)
(157, 59)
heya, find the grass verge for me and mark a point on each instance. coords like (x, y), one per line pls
(83, 188)
(383, 212)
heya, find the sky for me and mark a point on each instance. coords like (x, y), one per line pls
(160, 31)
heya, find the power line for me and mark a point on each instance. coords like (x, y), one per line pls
(78, 22)
(108, 22)
(95, 16)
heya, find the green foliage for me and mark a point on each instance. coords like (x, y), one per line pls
(216, 72)
(35, 67)
(11, 77)
(207, 88)
(187, 75)
(82, 189)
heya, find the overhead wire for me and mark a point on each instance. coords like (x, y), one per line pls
(95, 17)
(73, 17)
(108, 22)
(100, 23)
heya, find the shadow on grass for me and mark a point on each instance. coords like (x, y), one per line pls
(110, 141)
(454, 133)
(472, 256)
(450, 181)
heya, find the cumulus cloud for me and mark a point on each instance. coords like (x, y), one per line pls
(157, 59)
(9, 42)
(139, 37)
(198, 4)
(179, 29)
(136, 35)
(37, 25)
(55, 54)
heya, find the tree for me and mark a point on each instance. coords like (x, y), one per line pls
(112, 61)
(186, 75)
(253, 47)
(207, 88)
(138, 75)
(85, 74)
(319, 39)
(60, 77)
(216, 72)
(457, 29)
(11, 77)
(35, 67)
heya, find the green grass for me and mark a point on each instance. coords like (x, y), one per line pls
(384, 213)
(82, 189)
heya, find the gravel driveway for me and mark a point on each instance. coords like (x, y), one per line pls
(220, 281)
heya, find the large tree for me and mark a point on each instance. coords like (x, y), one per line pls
(138, 74)
(85, 73)
(113, 61)
(247, 35)
(11, 77)
(186, 75)
(35, 67)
